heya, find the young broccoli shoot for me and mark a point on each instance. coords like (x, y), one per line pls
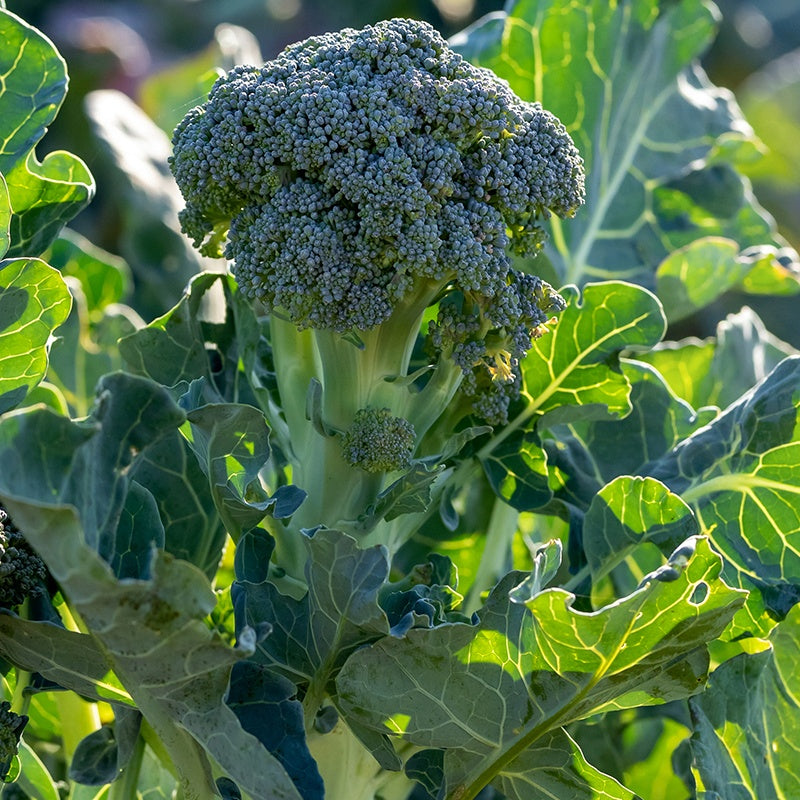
(377, 441)
(22, 573)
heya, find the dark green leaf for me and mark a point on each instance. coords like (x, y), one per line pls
(101, 756)
(740, 475)
(266, 706)
(312, 637)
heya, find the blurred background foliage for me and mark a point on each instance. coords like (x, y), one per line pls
(136, 66)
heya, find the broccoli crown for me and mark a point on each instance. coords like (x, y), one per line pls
(377, 441)
(360, 163)
(11, 726)
(22, 572)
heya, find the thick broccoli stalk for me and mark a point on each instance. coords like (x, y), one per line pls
(370, 188)
(22, 573)
(11, 727)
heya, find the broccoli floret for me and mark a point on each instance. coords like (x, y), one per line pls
(377, 441)
(22, 573)
(11, 726)
(363, 180)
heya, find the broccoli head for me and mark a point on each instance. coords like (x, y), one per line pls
(11, 726)
(22, 573)
(360, 163)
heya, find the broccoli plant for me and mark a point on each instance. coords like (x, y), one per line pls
(411, 500)
(372, 187)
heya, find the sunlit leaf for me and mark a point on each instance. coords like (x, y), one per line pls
(44, 195)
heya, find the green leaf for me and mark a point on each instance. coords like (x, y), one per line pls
(747, 722)
(556, 767)
(104, 277)
(585, 456)
(72, 660)
(629, 512)
(312, 637)
(572, 372)
(34, 301)
(101, 756)
(231, 443)
(692, 277)
(44, 195)
(489, 691)
(192, 527)
(657, 138)
(741, 477)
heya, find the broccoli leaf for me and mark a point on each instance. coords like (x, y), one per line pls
(313, 636)
(72, 660)
(231, 442)
(747, 722)
(44, 195)
(740, 476)
(661, 144)
(34, 301)
(486, 692)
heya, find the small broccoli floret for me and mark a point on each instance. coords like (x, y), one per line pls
(22, 573)
(11, 726)
(377, 441)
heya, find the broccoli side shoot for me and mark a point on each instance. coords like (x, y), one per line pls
(360, 183)
(11, 726)
(377, 441)
(22, 573)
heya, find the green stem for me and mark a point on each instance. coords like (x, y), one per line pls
(497, 553)
(126, 785)
(78, 718)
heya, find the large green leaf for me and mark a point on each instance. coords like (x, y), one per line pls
(627, 514)
(585, 456)
(44, 195)
(488, 692)
(741, 476)
(692, 277)
(747, 722)
(231, 443)
(34, 301)
(660, 143)
(72, 660)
